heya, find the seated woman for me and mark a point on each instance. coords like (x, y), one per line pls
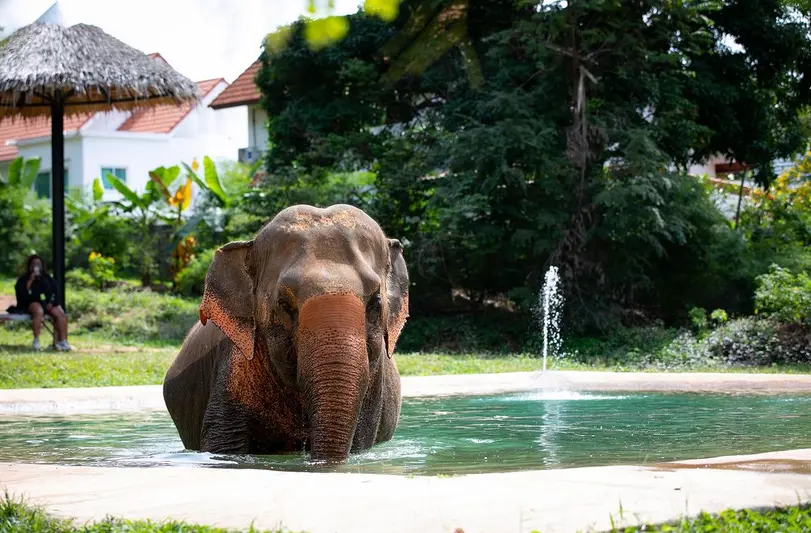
(36, 295)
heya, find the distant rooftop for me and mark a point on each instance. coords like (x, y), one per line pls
(242, 92)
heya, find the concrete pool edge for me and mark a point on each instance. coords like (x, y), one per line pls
(552, 501)
(150, 397)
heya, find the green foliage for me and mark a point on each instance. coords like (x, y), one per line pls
(788, 519)
(25, 220)
(221, 214)
(123, 313)
(698, 318)
(191, 280)
(102, 270)
(492, 332)
(718, 317)
(165, 205)
(777, 220)
(784, 296)
(93, 225)
(79, 278)
(488, 185)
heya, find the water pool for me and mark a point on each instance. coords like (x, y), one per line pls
(460, 435)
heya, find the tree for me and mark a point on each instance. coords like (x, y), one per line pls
(563, 154)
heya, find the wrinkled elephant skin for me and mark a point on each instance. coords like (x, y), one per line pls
(295, 345)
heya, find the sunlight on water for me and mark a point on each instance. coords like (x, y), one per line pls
(561, 395)
(457, 435)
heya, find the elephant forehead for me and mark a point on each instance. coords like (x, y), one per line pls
(337, 243)
(303, 218)
(320, 277)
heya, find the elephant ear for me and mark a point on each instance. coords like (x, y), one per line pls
(228, 296)
(397, 295)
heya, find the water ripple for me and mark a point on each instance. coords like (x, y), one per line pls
(458, 435)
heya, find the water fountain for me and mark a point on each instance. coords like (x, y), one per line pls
(549, 313)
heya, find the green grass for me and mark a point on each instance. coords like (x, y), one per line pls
(791, 519)
(128, 336)
(104, 366)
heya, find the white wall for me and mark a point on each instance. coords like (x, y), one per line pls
(140, 154)
(257, 127)
(708, 167)
(73, 156)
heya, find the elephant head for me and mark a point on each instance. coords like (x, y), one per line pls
(324, 293)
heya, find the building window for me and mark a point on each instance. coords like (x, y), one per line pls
(120, 173)
(42, 184)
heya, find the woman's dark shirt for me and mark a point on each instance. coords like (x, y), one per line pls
(43, 290)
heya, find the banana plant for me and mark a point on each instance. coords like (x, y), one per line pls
(211, 181)
(146, 209)
(212, 184)
(22, 172)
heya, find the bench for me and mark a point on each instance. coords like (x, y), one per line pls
(24, 317)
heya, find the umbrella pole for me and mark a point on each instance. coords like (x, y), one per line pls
(58, 193)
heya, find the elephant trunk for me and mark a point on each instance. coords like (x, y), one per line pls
(333, 372)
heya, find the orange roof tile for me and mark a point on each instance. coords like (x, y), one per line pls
(32, 128)
(163, 119)
(242, 92)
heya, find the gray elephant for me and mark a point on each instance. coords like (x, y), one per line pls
(295, 345)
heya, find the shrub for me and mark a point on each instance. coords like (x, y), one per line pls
(79, 278)
(191, 280)
(698, 318)
(25, 227)
(127, 315)
(718, 317)
(754, 341)
(784, 296)
(102, 270)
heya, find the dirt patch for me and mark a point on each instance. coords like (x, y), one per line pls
(6, 301)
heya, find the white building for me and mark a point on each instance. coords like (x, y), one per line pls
(128, 144)
(244, 95)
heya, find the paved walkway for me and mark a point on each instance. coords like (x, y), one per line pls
(100, 399)
(550, 501)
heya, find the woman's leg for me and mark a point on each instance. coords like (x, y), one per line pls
(60, 322)
(37, 316)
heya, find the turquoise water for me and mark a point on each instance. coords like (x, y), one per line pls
(461, 434)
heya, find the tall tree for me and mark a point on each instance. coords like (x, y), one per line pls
(562, 153)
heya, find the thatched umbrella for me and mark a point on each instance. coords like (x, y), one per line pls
(48, 69)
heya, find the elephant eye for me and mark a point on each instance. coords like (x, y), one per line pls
(375, 303)
(286, 307)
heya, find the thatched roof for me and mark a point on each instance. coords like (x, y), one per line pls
(95, 72)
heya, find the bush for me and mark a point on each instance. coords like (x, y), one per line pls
(100, 230)
(761, 342)
(128, 315)
(784, 296)
(79, 278)
(486, 332)
(191, 280)
(25, 228)
(102, 270)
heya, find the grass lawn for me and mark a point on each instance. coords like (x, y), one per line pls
(91, 365)
(16, 517)
(97, 361)
(127, 336)
(99, 364)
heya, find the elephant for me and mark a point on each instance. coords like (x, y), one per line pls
(294, 347)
